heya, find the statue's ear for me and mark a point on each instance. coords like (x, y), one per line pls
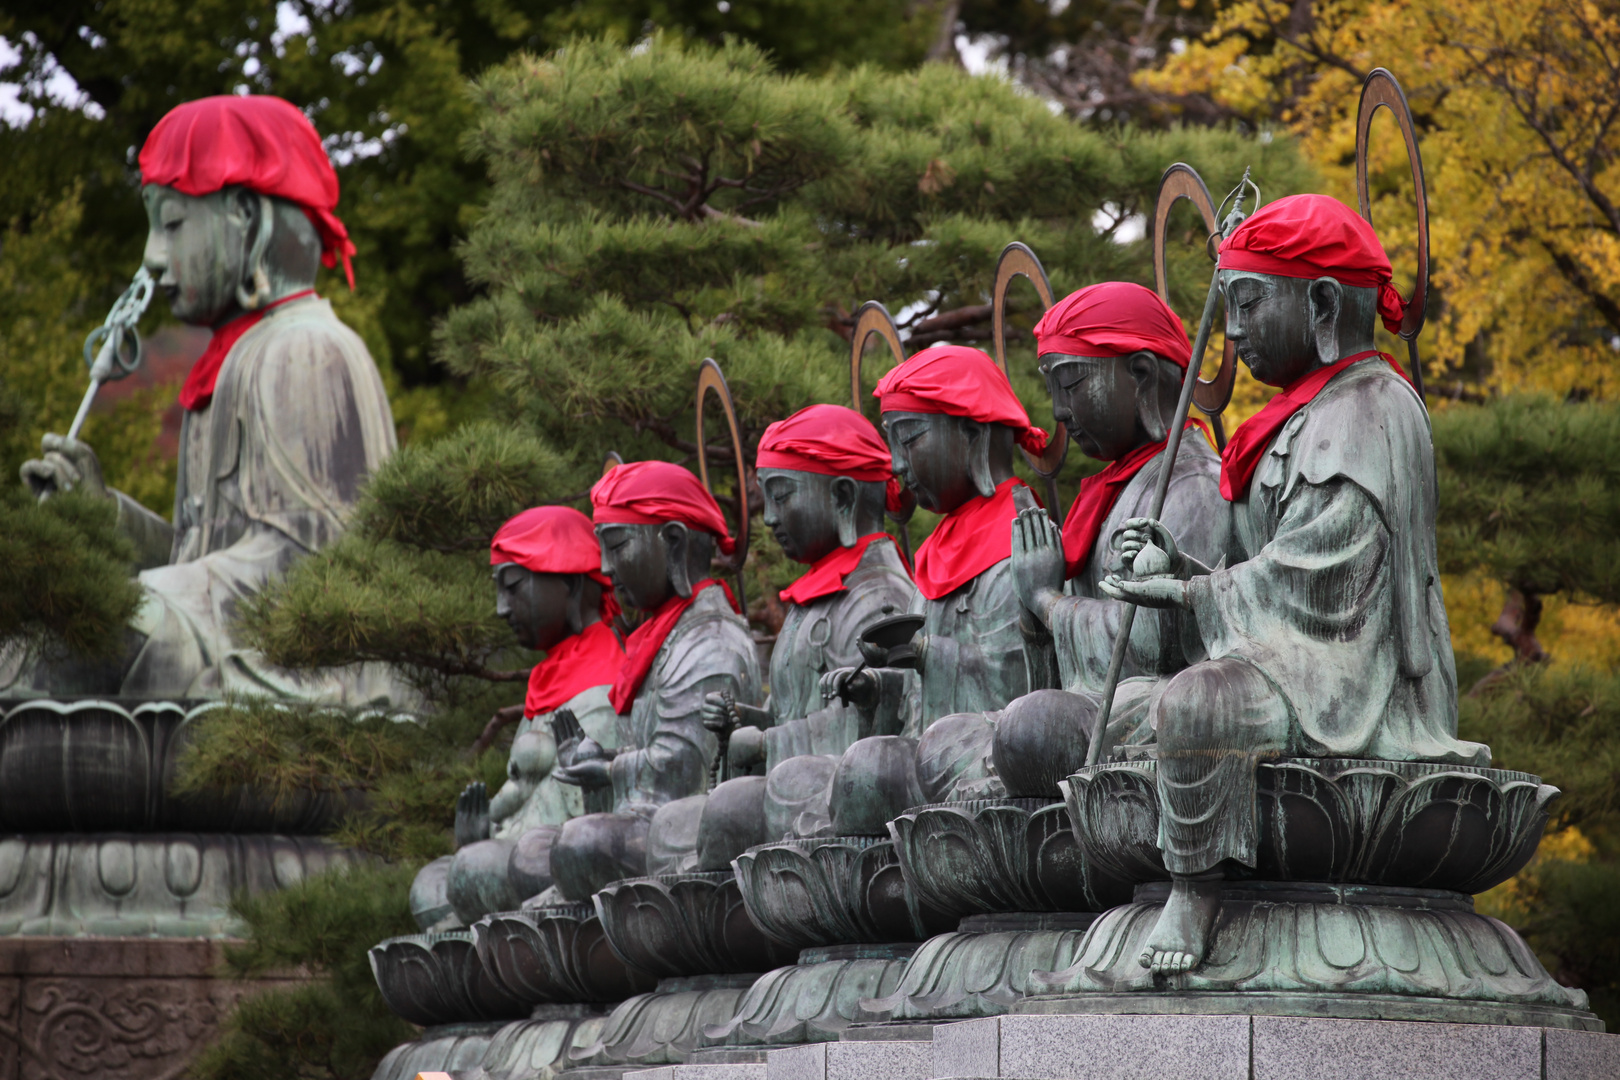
(253, 290)
(575, 612)
(1327, 298)
(979, 457)
(1145, 372)
(676, 546)
(846, 498)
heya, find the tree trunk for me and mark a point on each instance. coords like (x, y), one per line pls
(1521, 614)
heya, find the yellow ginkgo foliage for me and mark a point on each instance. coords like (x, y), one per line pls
(1518, 110)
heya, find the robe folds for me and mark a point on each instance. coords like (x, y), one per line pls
(1329, 636)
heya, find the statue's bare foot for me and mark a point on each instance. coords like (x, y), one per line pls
(1181, 937)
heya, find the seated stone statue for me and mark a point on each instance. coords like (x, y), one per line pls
(658, 528)
(285, 415)
(822, 473)
(952, 420)
(550, 588)
(1114, 356)
(1329, 637)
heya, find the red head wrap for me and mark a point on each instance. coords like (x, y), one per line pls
(831, 440)
(653, 492)
(1113, 318)
(554, 540)
(958, 381)
(260, 142)
(1313, 236)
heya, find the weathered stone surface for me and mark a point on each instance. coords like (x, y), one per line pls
(1581, 1055)
(439, 979)
(556, 954)
(686, 924)
(889, 1059)
(1293, 1048)
(135, 885)
(665, 1026)
(963, 975)
(1304, 938)
(970, 1048)
(807, 1002)
(837, 891)
(1184, 1047)
(121, 1008)
(89, 766)
(1410, 824)
(995, 855)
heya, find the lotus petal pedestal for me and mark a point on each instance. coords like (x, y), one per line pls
(556, 955)
(432, 979)
(1360, 907)
(515, 1050)
(1012, 870)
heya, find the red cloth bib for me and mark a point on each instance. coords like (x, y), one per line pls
(970, 540)
(645, 640)
(1096, 499)
(1248, 444)
(826, 575)
(198, 389)
(589, 658)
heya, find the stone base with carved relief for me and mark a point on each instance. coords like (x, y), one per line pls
(114, 1008)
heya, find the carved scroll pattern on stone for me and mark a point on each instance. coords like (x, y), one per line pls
(806, 1003)
(997, 855)
(439, 979)
(686, 924)
(848, 890)
(1373, 822)
(1289, 942)
(960, 976)
(556, 955)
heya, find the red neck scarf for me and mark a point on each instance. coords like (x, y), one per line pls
(970, 540)
(198, 390)
(645, 640)
(1248, 444)
(580, 661)
(1096, 499)
(826, 575)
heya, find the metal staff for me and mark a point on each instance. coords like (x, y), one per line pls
(1172, 447)
(711, 378)
(1181, 181)
(874, 318)
(104, 346)
(1017, 260)
(1383, 91)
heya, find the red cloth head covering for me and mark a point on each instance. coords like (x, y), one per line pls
(653, 492)
(260, 142)
(958, 381)
(1312, 236)
(831, 440)
(554, 540)
(1113, 318)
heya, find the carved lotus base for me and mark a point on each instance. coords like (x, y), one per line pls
(555, 955)
(815, 1000)
(1317, 939)
(1410, 824)
(438, 979)
(665, 1026)
(686, 924)
(835, 891)
(511, 1050)
(963, 975)
(994, 855)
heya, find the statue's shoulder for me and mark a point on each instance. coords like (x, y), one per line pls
(708, 627)
(1368, 426)
(306, 332)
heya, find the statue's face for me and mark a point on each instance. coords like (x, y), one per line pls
(1268, 319)
(801, 512)
(636, 559)
(1095, 398)
(195, 249)
(931, 453)
(534, 605)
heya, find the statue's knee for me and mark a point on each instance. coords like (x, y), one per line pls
(1040, 739)
(876, 781)
(430, 901)
(733, 821)
(597, 849)
(1219, 705)
(478, 882)
(953, 757)
(798, 796)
